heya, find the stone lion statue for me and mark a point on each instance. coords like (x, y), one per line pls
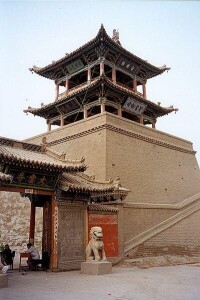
(95, 248)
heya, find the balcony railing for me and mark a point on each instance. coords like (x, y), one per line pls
(129, 88)
(76, 88)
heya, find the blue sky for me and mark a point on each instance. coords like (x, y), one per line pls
(38, 32)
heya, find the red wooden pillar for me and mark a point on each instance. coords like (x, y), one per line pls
(62, 121)
(113, 75)
(89, 75)
(142, 120)
(54, 234)
(153, 125)
(103, 107)
(49, 126)
(119, 111)
(144, 91)
(86, 226)
(101, 68)
(67, 85)
(57, 91)
(85, 112)
(32, 224)
(135, 85)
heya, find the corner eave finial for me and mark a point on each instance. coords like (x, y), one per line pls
(164, 68)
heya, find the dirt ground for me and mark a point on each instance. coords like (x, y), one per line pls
(180, 282)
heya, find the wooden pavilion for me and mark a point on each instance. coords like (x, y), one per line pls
(100, 76)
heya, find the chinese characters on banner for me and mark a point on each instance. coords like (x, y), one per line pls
(36, 179)
(75, 66)
(128, 65)
(134, 106)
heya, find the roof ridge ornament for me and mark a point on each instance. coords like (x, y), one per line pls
(44, 144)
(115, 36)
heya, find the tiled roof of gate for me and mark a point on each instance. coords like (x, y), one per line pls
(22, 154)
(72, 179)
(85, 183)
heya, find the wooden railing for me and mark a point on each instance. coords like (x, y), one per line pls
(129, 88)
(70, 91)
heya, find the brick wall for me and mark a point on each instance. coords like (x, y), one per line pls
(155, 174)
(14, 220)
(139, 220)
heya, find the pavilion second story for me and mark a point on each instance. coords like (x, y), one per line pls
(97, 77)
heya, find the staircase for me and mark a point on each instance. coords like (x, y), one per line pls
(184, 209)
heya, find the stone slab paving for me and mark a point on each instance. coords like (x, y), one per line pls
(172, 283)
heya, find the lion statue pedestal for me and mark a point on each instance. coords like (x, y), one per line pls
(96, 262)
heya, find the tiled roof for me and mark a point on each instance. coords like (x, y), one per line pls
(94, 83)
(16, 153)
(87, 184)
(45, 71)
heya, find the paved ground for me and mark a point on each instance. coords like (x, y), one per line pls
(171, 283)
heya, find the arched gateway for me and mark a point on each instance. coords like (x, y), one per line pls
(67, 195)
